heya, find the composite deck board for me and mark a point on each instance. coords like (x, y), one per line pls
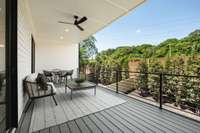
(83, 108)
(71, 105)
(118, 123)
(73, 127)
(47, 130)
(171, 123)
(124, 121)
(64, 128)
(87, 113)
(24, 127)
(100, 124)
(54, 129)
(49, 113)
(100, 102)
(59, 113)
(94, 128)
(141, 121)
(92, 102)
(184, 123)
(64, 108)
(136, 122)
(164, 126)
(82, 126)
(39, 122)
(114, 128)
(68, 112)
(88, 105)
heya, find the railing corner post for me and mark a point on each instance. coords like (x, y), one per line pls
(161, 90)
(117, 78)
(96, 78)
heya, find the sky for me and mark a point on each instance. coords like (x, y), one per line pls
(151, 23)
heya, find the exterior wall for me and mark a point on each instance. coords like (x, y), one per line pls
(49, 55)
(2, 59)
(56, 56)
(24, 54)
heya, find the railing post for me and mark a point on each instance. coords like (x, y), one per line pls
(117, 78)
(96, 78)
(160, 90)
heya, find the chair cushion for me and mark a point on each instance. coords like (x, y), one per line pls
(42, 81)
(52, 85)
(32, 77)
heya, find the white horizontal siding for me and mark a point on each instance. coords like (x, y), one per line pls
(56, 56)
(24, 55)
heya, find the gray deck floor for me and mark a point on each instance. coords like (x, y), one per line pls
(130, 116)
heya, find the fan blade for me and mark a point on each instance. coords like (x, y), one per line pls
(80, 27)
(62, 22)
(83, 19)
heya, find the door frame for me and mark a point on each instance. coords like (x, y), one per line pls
(11, 65)
(32, 54)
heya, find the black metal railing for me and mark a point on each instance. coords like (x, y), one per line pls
(177, 91)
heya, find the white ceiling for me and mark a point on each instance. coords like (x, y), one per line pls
(100, 13)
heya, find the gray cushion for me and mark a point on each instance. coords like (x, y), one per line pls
(42, 81)
(32, 77)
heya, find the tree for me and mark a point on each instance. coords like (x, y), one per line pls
(142, 78)
(155, 67)
(168, 86)
(87, 51)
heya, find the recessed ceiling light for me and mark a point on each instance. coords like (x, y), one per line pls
(61, 37)
(2, 46)
(66, 30)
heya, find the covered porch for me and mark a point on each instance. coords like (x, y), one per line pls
(45, 44)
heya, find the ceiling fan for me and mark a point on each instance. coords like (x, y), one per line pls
(76, 22)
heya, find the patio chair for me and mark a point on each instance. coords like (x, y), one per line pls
(35, 91)
(64, 75)
(69, 73)
(49, 75)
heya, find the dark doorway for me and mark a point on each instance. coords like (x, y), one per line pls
(32, 55)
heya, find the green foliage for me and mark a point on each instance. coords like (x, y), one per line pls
(142, 77)
(87, 51)
(154, 79)
(178, 56)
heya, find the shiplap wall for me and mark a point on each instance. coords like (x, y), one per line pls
(56, 56)
(49, 55)
(24, 54)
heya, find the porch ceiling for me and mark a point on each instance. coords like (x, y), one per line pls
(100, 13)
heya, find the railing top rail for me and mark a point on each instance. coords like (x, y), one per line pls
(153, 73)
(167, 74)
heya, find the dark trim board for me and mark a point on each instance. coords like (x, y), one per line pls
(11, 64)
(32, 54)
(79, 63)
